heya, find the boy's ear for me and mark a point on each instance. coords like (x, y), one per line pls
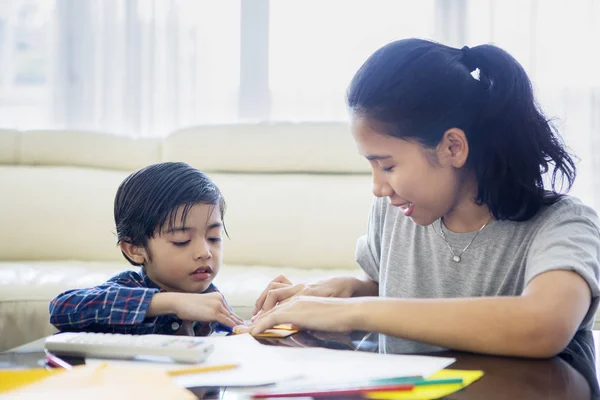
(137, 254)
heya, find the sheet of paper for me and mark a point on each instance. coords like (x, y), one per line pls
(262, 365)
(324, 366)
(258, 364)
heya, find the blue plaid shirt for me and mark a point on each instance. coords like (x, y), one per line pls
(119, 306)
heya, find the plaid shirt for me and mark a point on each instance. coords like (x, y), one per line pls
(119, 306)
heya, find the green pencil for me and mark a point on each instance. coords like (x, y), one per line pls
(419, 381)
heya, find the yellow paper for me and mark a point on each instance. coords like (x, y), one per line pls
(286, 327)
(430, 392)
(279, 331)
(13, 379)
(275, 333)
(103, 382)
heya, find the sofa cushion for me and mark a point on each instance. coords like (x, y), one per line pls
(9, 150)
(87, 149)
(321, 147)
(58, 213)
(279, 220)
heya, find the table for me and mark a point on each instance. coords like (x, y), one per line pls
(573, 374)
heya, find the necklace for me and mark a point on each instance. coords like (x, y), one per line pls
(456, 257)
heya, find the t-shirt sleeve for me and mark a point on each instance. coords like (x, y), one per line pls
(569, 240)
(368, 247)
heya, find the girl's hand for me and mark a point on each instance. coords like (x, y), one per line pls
(280, 282)
(281, 289)
(317, 313)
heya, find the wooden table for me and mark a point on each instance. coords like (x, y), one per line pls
(573, 374)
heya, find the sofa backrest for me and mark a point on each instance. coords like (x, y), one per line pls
(298, 194)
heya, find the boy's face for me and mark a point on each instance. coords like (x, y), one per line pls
(187, 257)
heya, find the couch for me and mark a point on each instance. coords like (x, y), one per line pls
(298, 197)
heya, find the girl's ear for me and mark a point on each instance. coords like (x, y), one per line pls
(137, 254)
(453, 149)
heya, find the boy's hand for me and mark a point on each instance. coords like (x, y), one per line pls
(205, 307)
(194, 307)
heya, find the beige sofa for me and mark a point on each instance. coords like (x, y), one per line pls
(298, 197)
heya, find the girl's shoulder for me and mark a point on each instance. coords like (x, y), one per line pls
(564, 206)
(563, 210)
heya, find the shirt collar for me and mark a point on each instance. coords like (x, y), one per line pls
(149, 283)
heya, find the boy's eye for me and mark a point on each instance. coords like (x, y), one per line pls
(214, 239)
(181, 244)
(388, 169)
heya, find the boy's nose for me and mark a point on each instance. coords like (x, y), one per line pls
(203, 250)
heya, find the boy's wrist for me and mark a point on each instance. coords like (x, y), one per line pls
(163, 304)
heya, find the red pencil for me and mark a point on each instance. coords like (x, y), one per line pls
(336, 392)
(56, 362)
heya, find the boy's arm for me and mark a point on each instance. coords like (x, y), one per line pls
(108, 304)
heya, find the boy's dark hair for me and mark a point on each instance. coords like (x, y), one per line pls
(149, 198)
(416, 90)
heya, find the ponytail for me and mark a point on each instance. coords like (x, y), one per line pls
(515, 143)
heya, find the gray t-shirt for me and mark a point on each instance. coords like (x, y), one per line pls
(413, 261)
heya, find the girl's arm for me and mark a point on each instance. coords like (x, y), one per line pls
(539, 323)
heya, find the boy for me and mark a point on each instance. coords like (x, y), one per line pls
(169, 221)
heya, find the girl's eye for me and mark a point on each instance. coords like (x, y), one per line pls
(181, 244)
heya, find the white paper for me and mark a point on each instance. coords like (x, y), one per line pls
(326, 366)
(258, 364)
(264, 365)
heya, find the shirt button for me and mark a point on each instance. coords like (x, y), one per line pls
(175, 326)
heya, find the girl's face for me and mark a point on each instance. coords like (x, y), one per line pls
(425, 183)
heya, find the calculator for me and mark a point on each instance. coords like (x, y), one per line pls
(185, 349)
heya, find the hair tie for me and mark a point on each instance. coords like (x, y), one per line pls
(467, 58)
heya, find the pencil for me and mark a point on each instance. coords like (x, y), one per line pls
(57, 362)
(199, 370)
(335, 392)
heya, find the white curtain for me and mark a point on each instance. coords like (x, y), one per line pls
(146, 67)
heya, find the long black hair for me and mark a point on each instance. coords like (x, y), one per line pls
(149, 198)
(417, 89)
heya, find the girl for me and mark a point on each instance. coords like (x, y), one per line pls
(468, 247)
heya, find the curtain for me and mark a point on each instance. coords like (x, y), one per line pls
(147, 67)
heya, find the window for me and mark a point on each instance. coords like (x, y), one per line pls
(25, 67)
(316, 47)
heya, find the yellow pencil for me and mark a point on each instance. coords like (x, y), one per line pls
(199, 370)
